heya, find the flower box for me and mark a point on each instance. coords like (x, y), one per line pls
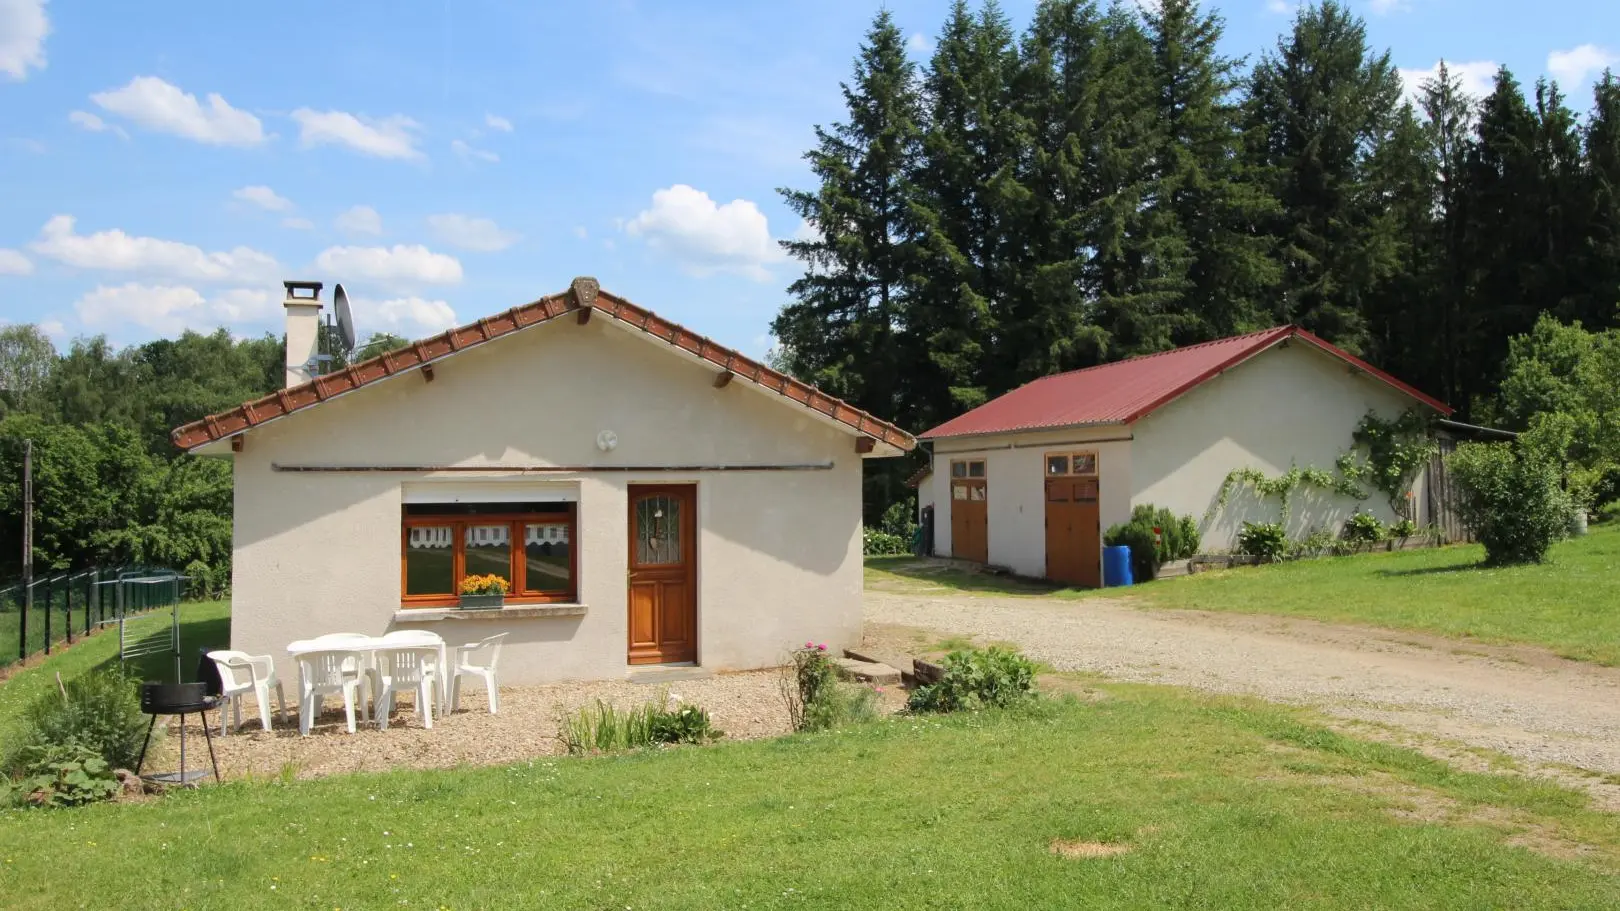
(482, 602)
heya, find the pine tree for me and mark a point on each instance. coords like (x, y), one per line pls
(1562, 204)
(1402, 321)
(1598, 299)
(969, 145)
(1448, 122)
(1224, 268)
(1318, 109)
(839, 331)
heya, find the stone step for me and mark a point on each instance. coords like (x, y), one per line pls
(866, 671)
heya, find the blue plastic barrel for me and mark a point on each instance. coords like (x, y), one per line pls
(1117, 565)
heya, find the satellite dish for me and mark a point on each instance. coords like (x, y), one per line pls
(345, 319)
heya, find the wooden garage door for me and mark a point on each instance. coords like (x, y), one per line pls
(1073, 532)
(970, 525)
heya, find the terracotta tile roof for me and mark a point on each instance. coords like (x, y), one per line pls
(1128, 390)
(583, 295)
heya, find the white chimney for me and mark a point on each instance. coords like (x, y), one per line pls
(303, 305)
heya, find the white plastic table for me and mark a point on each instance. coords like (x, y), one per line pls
(372, 644)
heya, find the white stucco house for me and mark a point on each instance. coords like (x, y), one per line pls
(651, 496)
(1029, 480)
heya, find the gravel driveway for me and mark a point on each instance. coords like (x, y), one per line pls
(1521, 701)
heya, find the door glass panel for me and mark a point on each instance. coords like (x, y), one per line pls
(1057, 465)
(489, 551)
(430, 558)
(976, 493)
(545, 552)
(958, 469)
(658, 531)
(1085, 463)
(958, 492)
(975, 469)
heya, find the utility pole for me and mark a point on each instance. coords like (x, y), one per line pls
(28, 547)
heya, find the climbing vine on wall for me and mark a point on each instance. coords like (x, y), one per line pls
(1388, 455)
(1283, 486)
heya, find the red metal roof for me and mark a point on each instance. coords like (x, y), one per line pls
(1128, 390)
(584, 297)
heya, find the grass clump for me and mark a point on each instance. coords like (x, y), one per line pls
(976, 678)
(603, 728)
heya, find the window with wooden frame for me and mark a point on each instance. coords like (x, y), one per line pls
(530, 545)
(1070, 464)
(967, 479)
(967, 468)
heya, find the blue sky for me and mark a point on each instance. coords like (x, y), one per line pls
(164, 165)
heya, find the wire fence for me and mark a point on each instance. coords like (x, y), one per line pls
(69, 606)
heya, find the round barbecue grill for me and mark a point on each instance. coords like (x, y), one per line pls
(180, 699)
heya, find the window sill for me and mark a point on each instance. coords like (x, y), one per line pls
(510, 612)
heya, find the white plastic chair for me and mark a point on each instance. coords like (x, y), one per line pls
(368, 667)
(408, 669)
(240, 674)
(322, 673)
(470, 663)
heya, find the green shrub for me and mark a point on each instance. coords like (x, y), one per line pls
(60, 775)
(1363, 528)
(876, 543)
(1191, 540)
(1265, 540)
(815, 698)
(900, 519)
(102, 713)
(1608, 512)
(977, 678)
(1319, 543)
(1510, 499)
(1144, 550)
(1405, 528)
(602, 728)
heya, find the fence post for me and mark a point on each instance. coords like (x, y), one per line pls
(28, 548)
(47, 615)
(67, 609)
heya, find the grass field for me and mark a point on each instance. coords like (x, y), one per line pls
(1571, 604)
(1183, 801)
(205, 624)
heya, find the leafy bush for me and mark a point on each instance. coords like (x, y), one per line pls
(876, 543)
(1405, 528)
(602, 728)
(1511, 500)
(1319, 543)
(900, 519)
(1265, 540)
(102, 713)
(1608, 512)
(977, 678)
(815, 698)
(1177, 539)
(1364, 528)
(61, 775)
(1144, 549)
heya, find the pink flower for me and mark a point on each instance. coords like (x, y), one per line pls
(821, 648)
(809, 645)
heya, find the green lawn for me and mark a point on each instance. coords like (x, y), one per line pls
(205, 624)
(1571, 604)
(1216, 803)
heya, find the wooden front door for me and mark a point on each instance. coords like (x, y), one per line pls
(663, 574)
(1073, 534)
(970, 525)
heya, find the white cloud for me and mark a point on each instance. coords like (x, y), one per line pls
(580, 232)
(411, 317)
(298, 224)
(264, 197)
(91, 122)
(396, 265)
(157, 105)
(468, 153)
(706, 237)
(499, 124)
(172, 309)
(116, 251)
(471, 233)
(1477, 77)
(23, 27)
(1385, 7)
(1282, 7)
(919, 44)
(386, 137)
(1573, 67)
(14, 263)
(54, 329)
(359, 220)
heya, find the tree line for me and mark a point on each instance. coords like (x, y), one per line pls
(109, 486)
(1109, 184)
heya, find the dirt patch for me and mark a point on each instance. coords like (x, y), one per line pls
(1077, 850)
